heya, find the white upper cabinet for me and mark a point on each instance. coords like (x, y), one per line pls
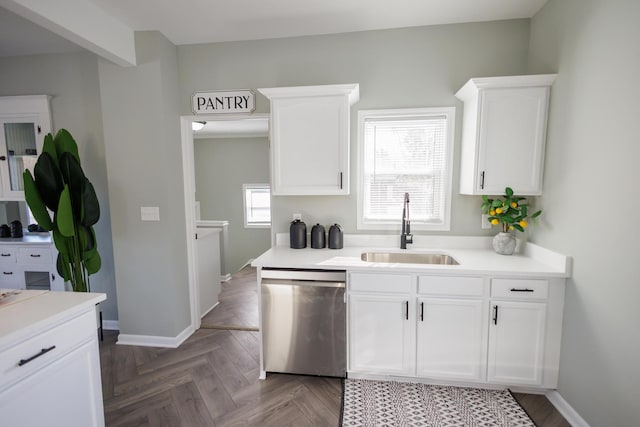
(503, 134)
(309, 132)
(24, 121)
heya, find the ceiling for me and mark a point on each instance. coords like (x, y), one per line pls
(19, 36)
(206, 21)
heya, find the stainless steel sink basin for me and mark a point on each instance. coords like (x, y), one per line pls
(409, 258)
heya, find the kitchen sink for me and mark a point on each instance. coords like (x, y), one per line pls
(409, 258)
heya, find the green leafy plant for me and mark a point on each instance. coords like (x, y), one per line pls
(510, 211)
(59, 185)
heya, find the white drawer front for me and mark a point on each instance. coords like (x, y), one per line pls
(35, 256)
(385, 283)
(11, 277)
(445, 285)
(520, 288)
(39, 349)
(7, 255)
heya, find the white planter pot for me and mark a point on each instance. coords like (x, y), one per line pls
(504, 243)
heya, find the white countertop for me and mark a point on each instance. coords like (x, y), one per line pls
(29, 312)
(28, 239)
(473, 255)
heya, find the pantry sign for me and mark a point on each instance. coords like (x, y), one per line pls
(223, 102)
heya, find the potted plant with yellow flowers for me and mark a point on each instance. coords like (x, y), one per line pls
(511, 213)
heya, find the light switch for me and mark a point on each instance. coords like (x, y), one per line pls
(150, 213)
(485, 221)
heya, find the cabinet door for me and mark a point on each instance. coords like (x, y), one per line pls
(67, 392)
(516, 342)
(511, 140)
(380, 334)
(450, 339)
(310, 145)
(24, 121)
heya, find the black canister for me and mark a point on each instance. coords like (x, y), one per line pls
(298, 234)
(16, 228)
(5, 231)
(335, 237)
(318, 237)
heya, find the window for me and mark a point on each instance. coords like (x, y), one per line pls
(405, 151)
(257, 205)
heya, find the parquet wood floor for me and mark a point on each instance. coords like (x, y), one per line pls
(238, 303)
(212, 379)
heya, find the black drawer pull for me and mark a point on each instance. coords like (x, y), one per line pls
(35, 356)
(5, 254)
(406, 303)
(495, 314)
(7, 273)
(35, 255)
(521, 290)
(422, 312)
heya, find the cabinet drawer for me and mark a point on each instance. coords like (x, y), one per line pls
(46, 347)
(519, 288)
(35, 256)
(11, 277)
(386, 283)
(7, 255)
(445, 285)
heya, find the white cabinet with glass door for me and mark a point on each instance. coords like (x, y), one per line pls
(24, 121)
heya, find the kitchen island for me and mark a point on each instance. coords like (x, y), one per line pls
(49, 359)
(490, 320)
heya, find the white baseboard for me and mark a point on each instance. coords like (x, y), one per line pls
(110, 325)
(567, 411)
(208, 311)
(155, 341)
(225, 277)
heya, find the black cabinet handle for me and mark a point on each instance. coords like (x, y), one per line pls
(7, 273)
(495, 314)
(5, 254)
(521, 290)
(482, 180)
(341, 180)
(3, 157)
(422, 311)
(406, 312)
(34, 255)
(35, 356)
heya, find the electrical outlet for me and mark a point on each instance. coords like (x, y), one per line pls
(485, 221)
(297, 216)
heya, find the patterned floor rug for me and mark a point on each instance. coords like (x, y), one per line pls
(377, 403)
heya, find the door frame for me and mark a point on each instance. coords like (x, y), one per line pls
(189, 184)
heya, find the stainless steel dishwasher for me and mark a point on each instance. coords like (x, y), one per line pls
(304, 321)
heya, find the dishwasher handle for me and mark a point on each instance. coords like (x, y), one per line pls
(303, 283)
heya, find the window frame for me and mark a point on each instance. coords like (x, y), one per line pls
(246, 187)
(400, 113)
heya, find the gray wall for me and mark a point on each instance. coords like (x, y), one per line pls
(414, 67)
(142, 134)
(72, 81)
(221, 167)
(591, 197)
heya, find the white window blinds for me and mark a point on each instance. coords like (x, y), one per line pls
(405, 154)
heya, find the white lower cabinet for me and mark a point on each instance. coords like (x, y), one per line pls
(449, 339)
(455, 329)
(50, 361)
(29, 266)
(380, 332)
(516, 343)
